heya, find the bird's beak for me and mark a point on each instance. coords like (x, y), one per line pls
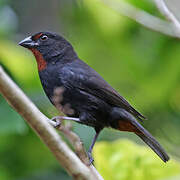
(28, 43)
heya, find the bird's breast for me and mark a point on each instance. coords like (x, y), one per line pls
(57, 92)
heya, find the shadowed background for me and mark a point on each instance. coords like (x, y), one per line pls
(141, 64)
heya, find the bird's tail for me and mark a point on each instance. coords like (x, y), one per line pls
(134, 126)
(153, 144)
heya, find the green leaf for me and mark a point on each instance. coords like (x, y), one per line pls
(125, 160)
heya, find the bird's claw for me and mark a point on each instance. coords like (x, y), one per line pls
(57, 120)
(91, 160)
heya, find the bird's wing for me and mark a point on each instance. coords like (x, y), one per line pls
(83, 77)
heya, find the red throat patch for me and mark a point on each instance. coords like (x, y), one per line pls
(39, 59)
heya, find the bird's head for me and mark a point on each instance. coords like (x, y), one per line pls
(48, 47)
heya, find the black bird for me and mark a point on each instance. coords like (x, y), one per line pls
(81, 93)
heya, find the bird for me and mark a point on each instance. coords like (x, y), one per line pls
(78, 91)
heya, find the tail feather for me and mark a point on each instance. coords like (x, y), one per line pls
(155, 146)
(129, 123)
(151, 142)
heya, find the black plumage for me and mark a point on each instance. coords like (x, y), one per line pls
(83, 93)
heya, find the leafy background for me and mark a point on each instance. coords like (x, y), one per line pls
(142, 65)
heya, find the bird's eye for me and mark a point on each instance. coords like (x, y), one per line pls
(43, 37)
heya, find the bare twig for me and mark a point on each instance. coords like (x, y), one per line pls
(39, 122)
(167, 13)
(78, 146)
(73, 139)
(142, 17)
(76, 143)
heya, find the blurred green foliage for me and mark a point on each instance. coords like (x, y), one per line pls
(142, 65)
(124, 160)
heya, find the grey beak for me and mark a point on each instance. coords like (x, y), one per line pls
(28, 43)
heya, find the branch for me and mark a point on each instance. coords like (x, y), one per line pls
(161, 5)
(142, 17)
(39, 123)
(76, 143)
(74, 140)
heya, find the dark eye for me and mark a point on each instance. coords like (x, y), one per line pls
(43, 37)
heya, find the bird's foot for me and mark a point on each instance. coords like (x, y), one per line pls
(91, 160)
(57, 120)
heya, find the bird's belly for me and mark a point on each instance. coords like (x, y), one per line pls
(78, 103)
